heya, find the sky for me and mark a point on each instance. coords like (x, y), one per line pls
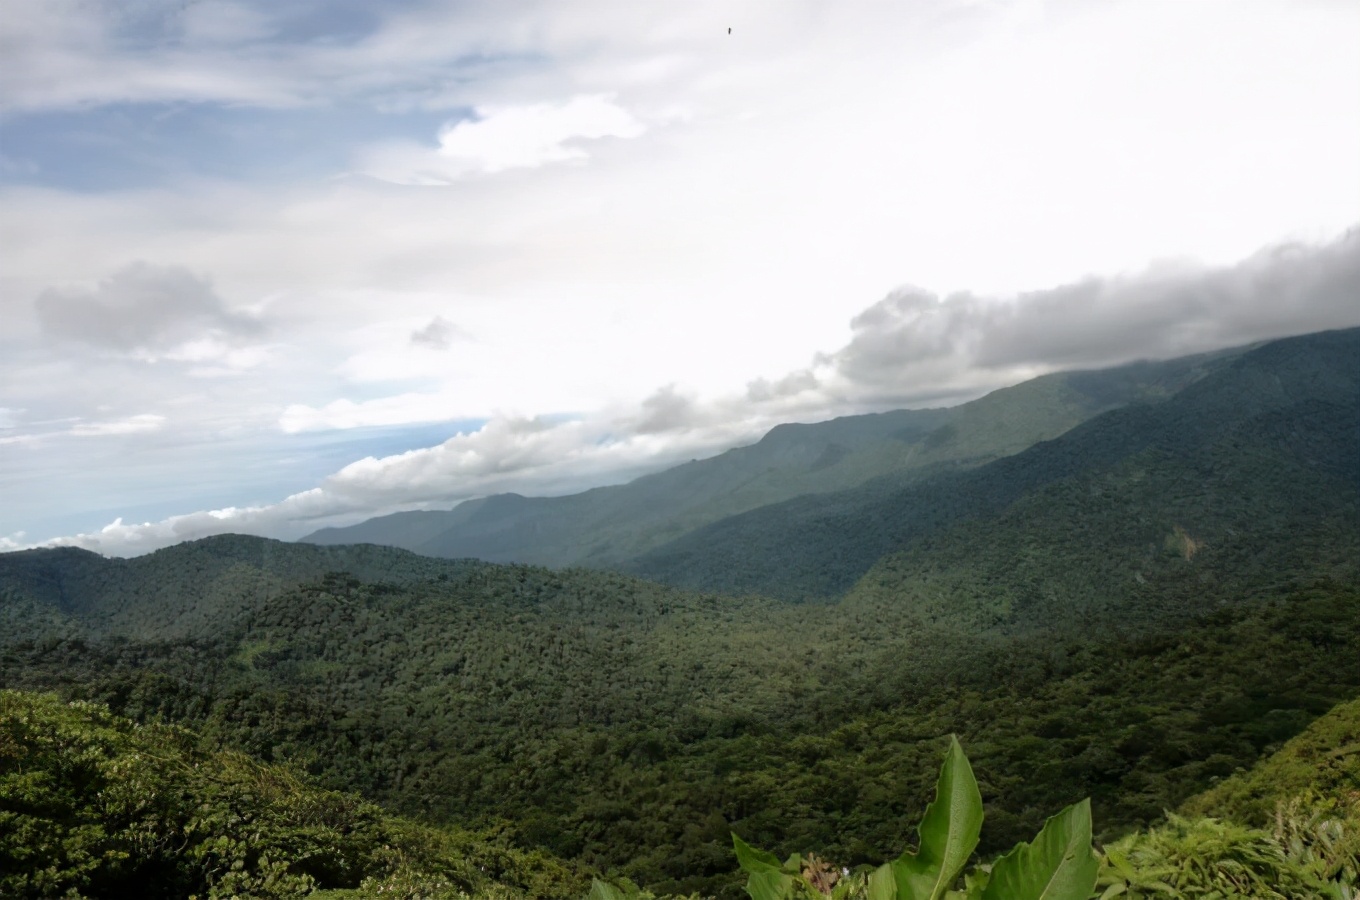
(270, 267)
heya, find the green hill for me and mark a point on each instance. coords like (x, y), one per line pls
(187, 590)
(1250, 474)
(628, 726)
(606, 526)
(95, 805)
(1323, 761)
(1289, 829)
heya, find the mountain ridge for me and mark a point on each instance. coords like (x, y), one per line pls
(1296, 398)
(604, 527)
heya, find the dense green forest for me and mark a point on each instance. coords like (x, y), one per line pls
(1134, 612)
(95, 805)
(629, 726)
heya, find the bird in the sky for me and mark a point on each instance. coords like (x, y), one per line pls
(729, 30)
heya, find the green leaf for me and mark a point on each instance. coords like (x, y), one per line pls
(765, 880)
(948, 832)
(1120, 864)
(769, 886)
(1059, 865)
(883, 883)
(599, 890)
(751, 860)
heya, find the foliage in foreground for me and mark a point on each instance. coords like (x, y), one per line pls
(93, 805)
(1310, 851)
(1288, 828)
(1058, 865)
(1324, 760)
(1309, 855)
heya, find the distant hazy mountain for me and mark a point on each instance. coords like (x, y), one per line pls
(607, 526)
(1253, 470)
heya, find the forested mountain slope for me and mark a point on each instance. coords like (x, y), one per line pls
(1324, 761)
(1289, 829)
(627, 725)
(1249, 473)
(605, 526)
(186, 590)
(94, 805)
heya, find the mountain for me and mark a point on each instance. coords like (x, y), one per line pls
(1145, 604)
(606, 526)
(1248, 475)
(628, 726)
(185, 590)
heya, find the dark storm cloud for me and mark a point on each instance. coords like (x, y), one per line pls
(143, 307)
(1164, 312)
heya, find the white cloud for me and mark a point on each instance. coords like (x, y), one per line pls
(910, 349)
(513, 137)
(914, 337)
(401, 409)
(505, 454)
(498, 138)
(142, 423)
(438, 334)
(138, 424)
(788, 173)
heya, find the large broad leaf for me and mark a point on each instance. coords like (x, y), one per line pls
(1059, 865)
(948, 831)
(765, 879)
(599, 890)
(883, 883)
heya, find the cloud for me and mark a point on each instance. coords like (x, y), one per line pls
(399, 409)
(213, 22)
(666, 410)
(911, 348)
(147, 310)
(499, 138)
(514, 137)
(537, 455)
(1292, 288)
(763, 390)
(913, 338)
(142, 423)
(438, 334)
(789, 173)
(138, 424)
